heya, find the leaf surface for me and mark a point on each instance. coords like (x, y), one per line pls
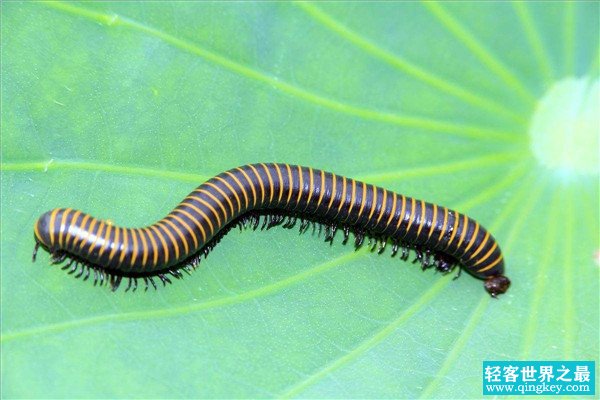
(121, 109)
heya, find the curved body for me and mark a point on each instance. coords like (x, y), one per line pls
(290, 189)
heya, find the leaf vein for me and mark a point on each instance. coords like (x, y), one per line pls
(406, 66)
(369, 342)
(479, 50)
(427, 124)
(188, 308)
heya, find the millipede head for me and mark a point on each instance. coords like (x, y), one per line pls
(496, 285)
(41, 230)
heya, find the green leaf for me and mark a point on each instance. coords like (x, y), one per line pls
(121, 109)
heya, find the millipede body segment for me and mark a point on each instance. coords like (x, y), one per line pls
(280, 194)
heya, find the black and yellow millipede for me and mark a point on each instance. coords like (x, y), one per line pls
(267, 195)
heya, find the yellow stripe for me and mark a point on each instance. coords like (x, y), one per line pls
(81, 232)
(464, 231)
(343, 196)
(171, 237)
(237, 198)
(62, 228)
(383, 207)
(218, 189)
(163, 242)
(481, 245)
(188, 228)
(241, 187)
(199, 211)
(125, 246)
(87, 231)
(373, 205)
(207, 204)
(395, 197)
(116, 242)
(444, 225)
(422, 221)
(413, 205)
(187, 214)
(270, 182)
(135, 249)
(106, 238)
(433, 221)
(70, 236)
(290, 183)
(154, 246)
(51, 227)
(473, 237)
(260, 183)
(145, 250)
(454, 229)
(322, 188)
(492, 265)
(362, 202)
(486, 255)
(250, 183)
(402, 210)
(311, 187)
(280, 183)
(36, 231)
(300, 186)
(181, 236)
(352, 199)
(93, 243)
(332, 193)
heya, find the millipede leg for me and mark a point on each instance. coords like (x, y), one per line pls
(266, 221)
(115, 282)
(359, 239)
(57, 258)
(346, 234)
(457, 274)
(35, 250)
(405, 254)
(150, 278)
(128, 285)
(87, 273)
(164, 279)
(418, 256)
(176, 273)
(74, 268)
(291, 222)
(394, 248)
(382, 245)
(67, 265)
(80, 274)
(373, 245)
(303, 225)
(425, 260)
(331, 233)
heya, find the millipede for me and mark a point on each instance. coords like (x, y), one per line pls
(268, 195)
